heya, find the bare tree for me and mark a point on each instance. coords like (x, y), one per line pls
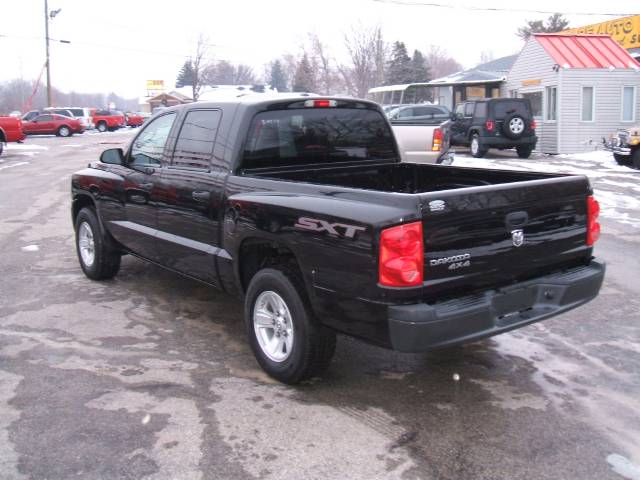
(367, 53)
(199, 65)
(440, 63)
(328, 80)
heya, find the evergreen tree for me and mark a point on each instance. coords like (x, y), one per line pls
(399, 66)
(278, 79)
(304, 79)
(185, 76)
(419, 68)
(555, 23)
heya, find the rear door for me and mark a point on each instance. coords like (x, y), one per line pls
(189, 196)
(499, 234)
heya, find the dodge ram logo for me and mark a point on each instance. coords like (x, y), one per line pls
(337, 229)
(517, 237)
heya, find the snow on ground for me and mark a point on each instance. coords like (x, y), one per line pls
(616, 187)
(25, 146)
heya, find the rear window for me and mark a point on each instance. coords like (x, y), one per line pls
(320, 135)
(504, 108)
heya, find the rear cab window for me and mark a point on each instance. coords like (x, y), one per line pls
(507, 107)
(196, 139)
(299, 136)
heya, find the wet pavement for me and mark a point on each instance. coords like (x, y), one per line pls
(149, 375)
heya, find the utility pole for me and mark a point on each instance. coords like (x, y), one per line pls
(46, 37)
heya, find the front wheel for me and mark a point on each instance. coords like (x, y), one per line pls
(102, 127)
(98, 258)
(524, 151)
(286, 339)
(477, 149)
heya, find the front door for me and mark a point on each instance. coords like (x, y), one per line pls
(190, 199)
(141, 173)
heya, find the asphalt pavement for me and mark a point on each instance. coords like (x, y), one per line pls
(150, 375)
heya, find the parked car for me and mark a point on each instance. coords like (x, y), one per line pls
(53, 124)
(422, 133)
(495, 123)
(135, 119)
(108, 120)
(84, 115)
(302, 207)
(10, 131)
(625, 145)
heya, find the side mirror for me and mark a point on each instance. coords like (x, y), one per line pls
(114, 156)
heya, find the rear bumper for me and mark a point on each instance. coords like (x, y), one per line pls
(624, 151)
(421, 327)
(508, 142)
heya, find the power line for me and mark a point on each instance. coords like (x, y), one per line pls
(497, 9)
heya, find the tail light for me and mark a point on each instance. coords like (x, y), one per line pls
(593, 227)
(533, 124)
(489, 125)
(320, 103)
(401, 256)
(437, 140)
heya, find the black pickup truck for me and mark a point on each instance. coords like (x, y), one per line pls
(300, 205)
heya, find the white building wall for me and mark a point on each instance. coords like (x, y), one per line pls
(580, 136)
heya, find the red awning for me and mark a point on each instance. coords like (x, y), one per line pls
(586, 51)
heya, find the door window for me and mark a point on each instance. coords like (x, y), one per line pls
(147, 148)
(195, 141)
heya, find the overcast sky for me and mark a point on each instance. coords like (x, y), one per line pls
(117, 45)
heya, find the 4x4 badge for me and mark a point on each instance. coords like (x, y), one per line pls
(517, 237)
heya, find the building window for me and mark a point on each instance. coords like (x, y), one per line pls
(536, 102)
(552, 104)
(628, 104)
(588, 104)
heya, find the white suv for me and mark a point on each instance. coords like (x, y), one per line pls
(84, 115)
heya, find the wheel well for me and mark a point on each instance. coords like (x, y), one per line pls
(256, 254)
(79, 203)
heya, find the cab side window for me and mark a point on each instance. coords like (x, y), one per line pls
(481, 110)
(468, 110)
(148, 147)
(196, 139)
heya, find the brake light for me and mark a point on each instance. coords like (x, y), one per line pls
(320, 103)
(489, 125)
(437, 140)
(593, 227)
(533, 124)
(401, 256)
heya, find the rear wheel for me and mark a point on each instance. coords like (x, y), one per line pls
(102, 126)
(64, 131)
(524, 151)
(287, 340)
(621, 159)
(477, 149)
(98, 258)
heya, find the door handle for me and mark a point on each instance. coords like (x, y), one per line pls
(201, 196)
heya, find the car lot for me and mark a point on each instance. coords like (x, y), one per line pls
(149, 375)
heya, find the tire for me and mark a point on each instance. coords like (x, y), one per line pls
(303, 347)
(104, 262)
(101, 127)
(1, 147)
(64, 131)
(524, 151)
(514, 125)
(621, 159)
(635, 159)
(477, 149)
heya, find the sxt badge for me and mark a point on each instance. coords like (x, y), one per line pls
(316, 225)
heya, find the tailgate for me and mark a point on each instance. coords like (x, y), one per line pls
(485, 237)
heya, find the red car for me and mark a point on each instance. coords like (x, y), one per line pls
(10, 131)
(134, 119)
(108, 120)
(50, 123)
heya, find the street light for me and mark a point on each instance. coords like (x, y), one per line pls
(49, 14)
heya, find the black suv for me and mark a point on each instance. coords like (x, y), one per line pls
(494, 123)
